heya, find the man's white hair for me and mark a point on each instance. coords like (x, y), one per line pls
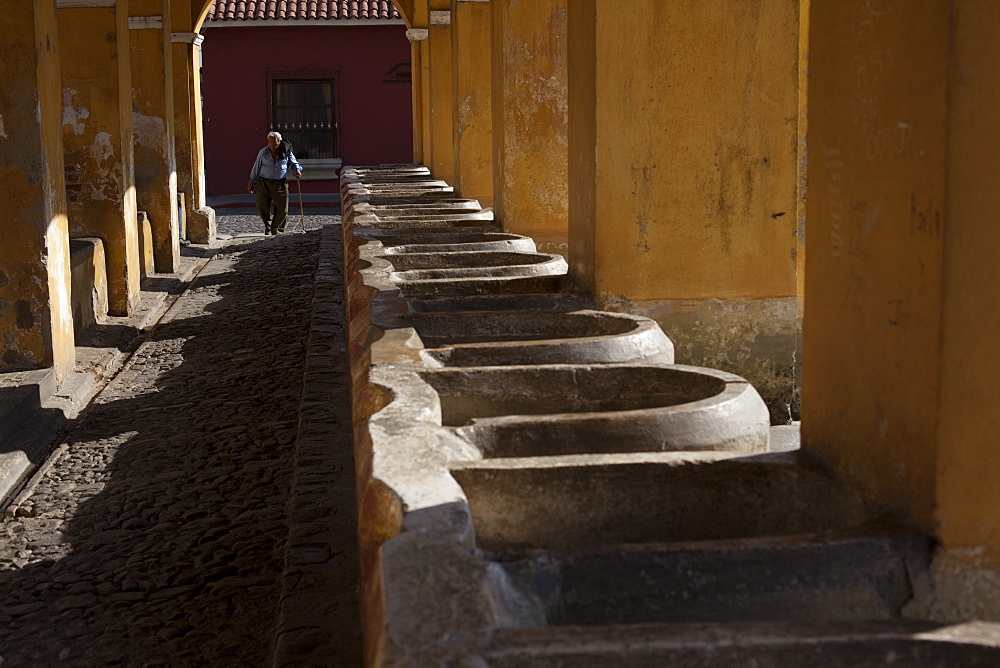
(276, 135)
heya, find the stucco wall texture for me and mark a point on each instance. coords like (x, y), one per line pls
(374, 107)
(35, 315)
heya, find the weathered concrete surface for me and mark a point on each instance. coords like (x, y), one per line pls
(146, 260)
(615, 499)
(98, 141)
(868, 643)
(153, 117)
(832, 576)
(36, 320)
(530, 119)
(89, 286)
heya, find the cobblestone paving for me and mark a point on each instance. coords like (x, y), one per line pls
(244, 220)
(157, 537)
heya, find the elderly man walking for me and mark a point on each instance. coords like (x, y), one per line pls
(269, 179)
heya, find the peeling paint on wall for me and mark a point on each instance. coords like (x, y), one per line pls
(147, 129)
(73, 116)
(102, 148)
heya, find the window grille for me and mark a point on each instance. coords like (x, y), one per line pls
(304, 108)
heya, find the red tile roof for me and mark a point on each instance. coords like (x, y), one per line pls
(269, 10)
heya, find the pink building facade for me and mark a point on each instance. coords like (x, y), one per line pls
(338, 89)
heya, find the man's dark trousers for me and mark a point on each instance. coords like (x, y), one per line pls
(277, 190)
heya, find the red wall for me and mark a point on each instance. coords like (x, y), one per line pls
(375, 118)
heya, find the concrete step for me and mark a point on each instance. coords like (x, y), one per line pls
(830, 645)
(831, 576)
(27, 448)
(19, 403)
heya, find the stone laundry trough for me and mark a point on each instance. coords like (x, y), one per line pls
(540, 485)
(521, 411)
(427, 266)
(536, 337)
(451, 241)
(819, 576)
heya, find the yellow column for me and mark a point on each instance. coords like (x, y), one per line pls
(903, 279)
(530, 119)
(416, 88)
(153, 126)
(36, 323)
(442, 154)
(473, 101)
(683, 176)
(421, 75)
(97, 138)
(188, 132)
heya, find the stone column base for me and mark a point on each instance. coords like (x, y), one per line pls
(201, 225)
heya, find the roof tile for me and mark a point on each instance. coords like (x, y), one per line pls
(317, 10)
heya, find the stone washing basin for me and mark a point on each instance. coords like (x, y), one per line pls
(522, 411)
(429, 225)
(485, 286)
(409, 263)
(535, 337)
(432, 212)
(860, 573)
(551, 302)
(572, 502)
(453, 241)
(444, 266)
(452, 204)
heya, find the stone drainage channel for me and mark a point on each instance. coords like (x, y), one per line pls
(539, 483)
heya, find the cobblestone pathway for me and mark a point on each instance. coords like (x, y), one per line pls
(157, 537)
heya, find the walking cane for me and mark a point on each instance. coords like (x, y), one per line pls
(301, 210)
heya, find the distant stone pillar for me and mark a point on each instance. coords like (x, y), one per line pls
(442, 148)
(189, 136)
(683, 176)
(473, 101)
(901, 362)
(153, 126)
(98, 141)
(530, 119)
(36, 322)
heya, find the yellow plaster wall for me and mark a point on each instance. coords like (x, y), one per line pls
(442, 153)
(684, 176)
(417, 101)
(695, 154)
(530, 123)
(421, 69)
(473, 110)
(876, 216)
(153, 130)
(183, 136)
(97, 137)
(36, 324)
(968, 459)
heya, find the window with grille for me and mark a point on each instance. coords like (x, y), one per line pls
(304, 111)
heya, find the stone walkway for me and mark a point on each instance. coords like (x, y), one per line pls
(158, 535)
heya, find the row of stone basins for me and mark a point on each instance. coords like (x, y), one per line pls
(540, 484)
